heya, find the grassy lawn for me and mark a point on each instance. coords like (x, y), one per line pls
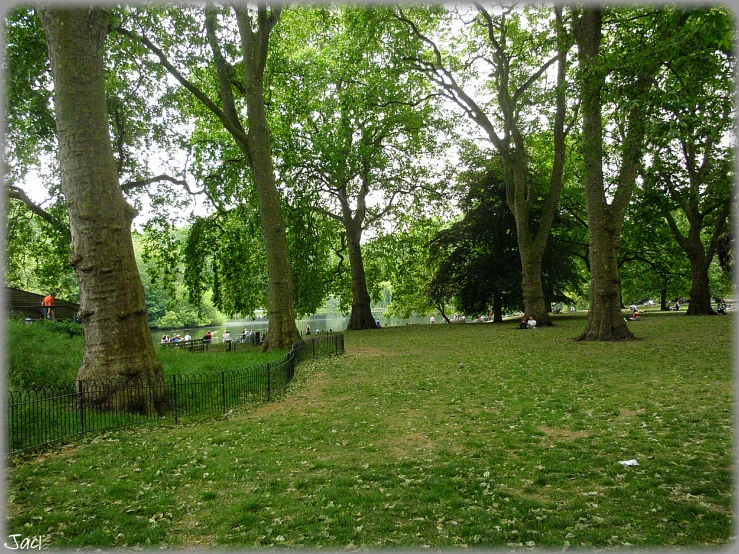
(46, 354)
(395, 445)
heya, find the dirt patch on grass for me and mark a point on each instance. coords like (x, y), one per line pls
(368, 352)
(563, 434)
(630, 413)
(406, 444)
(190, 542)
(63, 451)
(310, 393)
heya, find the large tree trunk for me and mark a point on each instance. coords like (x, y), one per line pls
(700, 293)
(605, 320)
(118, 341)
(497, 307)
(700, 255)
(282, 332)
(361, 316)
(520, 191)
(533, 291)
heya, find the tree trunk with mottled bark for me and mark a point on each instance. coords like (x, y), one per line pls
(605, 319)
(361, 316)
(533, 291)
(282, 332)
(497, 307)
(699, 255)
(700, 292)
(118, 341)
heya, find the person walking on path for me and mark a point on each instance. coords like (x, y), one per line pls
(47, 306)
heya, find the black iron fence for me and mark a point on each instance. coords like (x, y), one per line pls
(38, 417)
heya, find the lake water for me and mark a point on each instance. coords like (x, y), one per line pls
(323, 322)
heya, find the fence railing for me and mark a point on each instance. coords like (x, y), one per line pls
(34, 312)
(38, 417)
(217, 345)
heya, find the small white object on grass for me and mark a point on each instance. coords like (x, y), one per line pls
(629, 463)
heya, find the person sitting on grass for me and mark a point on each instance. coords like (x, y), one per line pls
(531, 323)
(636, 316)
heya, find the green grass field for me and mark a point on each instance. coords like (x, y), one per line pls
(395, 445)
(45, 354)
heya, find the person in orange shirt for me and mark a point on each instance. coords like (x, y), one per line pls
(47, 306)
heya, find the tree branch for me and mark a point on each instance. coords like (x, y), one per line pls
(719, 227)
(11, 191)
(439, 75)
(142, 183)
(120, 142)
(224, 76)
(324, 211)
(195, 91)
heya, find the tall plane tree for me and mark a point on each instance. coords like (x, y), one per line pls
(136, 124)
(237, 89)
(359, 131)
(611, 166)
(691, 145)
(118, 342)
(515, 49)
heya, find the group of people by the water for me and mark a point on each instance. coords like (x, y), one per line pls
(318, 331)
(166, 339)
(246, 336)
(249, 336)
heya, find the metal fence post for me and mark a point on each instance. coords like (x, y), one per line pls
(174, 394)
(268, 383)
(313, 342)
(81, 404)
(223, 389)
